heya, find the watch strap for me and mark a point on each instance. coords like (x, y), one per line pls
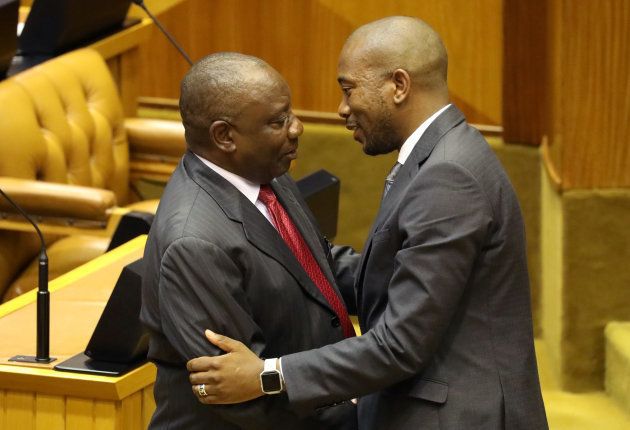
(270, 365)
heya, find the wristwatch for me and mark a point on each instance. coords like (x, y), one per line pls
(270, 378)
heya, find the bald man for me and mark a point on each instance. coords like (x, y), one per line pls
(442, 286)
(216, 257)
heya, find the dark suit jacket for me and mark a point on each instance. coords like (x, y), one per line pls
(443, 300)
(212, 260)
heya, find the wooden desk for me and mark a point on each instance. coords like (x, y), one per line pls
(38, 397)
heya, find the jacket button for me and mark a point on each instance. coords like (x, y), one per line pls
(334, 321)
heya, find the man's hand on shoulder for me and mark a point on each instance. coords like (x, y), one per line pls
(230, 378)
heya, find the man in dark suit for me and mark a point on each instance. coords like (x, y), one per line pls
(442, 286)
(216, 255)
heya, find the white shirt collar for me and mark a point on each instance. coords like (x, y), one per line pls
(247, 188)
(414, 138)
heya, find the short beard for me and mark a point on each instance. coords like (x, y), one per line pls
(382, 139)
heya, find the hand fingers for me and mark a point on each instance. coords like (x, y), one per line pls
(202, 364)
(208, 378)
(227, 344)
(212, 396)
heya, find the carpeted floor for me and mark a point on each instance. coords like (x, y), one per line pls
(570, 411)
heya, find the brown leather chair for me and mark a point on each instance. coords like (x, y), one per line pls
(67, 155)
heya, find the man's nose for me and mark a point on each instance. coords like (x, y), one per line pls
(343, 110)
(296, 128)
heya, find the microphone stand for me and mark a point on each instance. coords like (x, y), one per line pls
(43, 300)
(141, 4)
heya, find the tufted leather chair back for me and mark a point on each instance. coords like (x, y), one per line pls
(62, 121)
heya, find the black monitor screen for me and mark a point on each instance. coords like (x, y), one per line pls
(8, 33)
(56, 26)
(120, 341)
(119, 335)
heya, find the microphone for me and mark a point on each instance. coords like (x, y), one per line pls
(141, 4)
(43, 299)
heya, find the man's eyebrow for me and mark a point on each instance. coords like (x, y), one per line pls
(282, 109)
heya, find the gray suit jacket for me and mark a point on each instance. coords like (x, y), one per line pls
(443, 299)
(212, 260)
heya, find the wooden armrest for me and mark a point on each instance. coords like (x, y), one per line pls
(48, 199)
(155, 138)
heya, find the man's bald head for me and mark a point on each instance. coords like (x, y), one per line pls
(392, 73)
(219, 87)
(401, 42)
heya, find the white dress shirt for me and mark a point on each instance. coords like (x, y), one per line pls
(414, 138)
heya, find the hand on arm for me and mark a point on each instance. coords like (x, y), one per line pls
(190, 291)
(229, 378)
(424, 269)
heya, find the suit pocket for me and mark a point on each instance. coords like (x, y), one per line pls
(421, 388)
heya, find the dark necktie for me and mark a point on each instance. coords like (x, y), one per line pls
(302, 252)
(389, 181)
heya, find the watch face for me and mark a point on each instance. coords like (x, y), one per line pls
(270, 382)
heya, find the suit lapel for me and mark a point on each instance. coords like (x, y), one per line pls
(311, 237)
(258, 231)
(423, 148)
(261, 234)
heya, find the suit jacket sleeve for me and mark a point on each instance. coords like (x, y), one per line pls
(440, 226)
(205, 292)
(345, 261)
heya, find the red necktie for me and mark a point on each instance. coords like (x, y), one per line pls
(302, 252)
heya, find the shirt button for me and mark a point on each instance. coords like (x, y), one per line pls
(334, 321)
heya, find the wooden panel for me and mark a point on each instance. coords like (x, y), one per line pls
(104, 415)
(525, 67)
(26, 411)
(130, 412)
(590, 88)
(121, 52)
(79, 414)
(148, 406)
(552, 146)
(302, 39)
(49, 412)
(128, 83)
(20, 408)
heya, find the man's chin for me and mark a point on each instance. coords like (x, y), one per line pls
(361, 140)
(369, 149)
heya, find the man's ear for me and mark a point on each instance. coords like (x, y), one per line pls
(221, 134)
(402, 83)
